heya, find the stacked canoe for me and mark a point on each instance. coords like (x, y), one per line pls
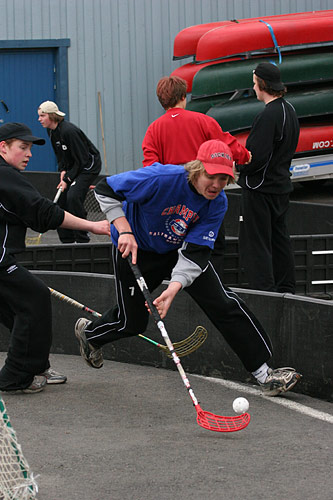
(219, 78)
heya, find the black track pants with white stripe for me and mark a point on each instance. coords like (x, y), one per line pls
(232, 318)
(25, 309)
(230, 315)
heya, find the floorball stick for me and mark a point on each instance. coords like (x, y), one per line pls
(183, 348)
(35, 240)
(205, 419)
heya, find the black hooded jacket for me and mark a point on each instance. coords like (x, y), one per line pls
(75, 153)
(22, 206)
(272, 141)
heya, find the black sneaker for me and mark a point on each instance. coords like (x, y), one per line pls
(280, 380)
(92, 356)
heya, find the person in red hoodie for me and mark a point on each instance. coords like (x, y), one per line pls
(176, 136)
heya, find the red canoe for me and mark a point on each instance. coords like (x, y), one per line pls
(185, 43)
(312, 138)
(241, 39)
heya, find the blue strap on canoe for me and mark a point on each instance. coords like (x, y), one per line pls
(273, 38)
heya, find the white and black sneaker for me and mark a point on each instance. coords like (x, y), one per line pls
(53, 377)
(279, 380)
(92, 355)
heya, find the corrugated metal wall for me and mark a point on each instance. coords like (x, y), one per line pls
(121, 48)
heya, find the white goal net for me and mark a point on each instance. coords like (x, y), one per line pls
(16, 479)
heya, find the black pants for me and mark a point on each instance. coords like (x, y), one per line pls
(72, 200)
(224, 308)
(25, 309)
(217, 257)
(264, 242)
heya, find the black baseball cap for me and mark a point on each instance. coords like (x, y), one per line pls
(19, 131)
(270, 74)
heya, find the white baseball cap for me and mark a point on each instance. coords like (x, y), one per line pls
(50, 107)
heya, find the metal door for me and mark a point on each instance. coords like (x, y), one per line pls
(27, 78)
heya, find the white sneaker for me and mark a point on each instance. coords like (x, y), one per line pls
(280, 380)
(92, 355)
(53, 377)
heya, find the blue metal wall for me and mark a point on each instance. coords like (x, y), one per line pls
(121, 48)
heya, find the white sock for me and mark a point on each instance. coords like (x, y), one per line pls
(261, 373)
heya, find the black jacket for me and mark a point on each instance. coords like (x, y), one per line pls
(272, 141)
(75, 153)
(22, 206)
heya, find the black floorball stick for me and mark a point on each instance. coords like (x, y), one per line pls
(183, 348)
(208, 420)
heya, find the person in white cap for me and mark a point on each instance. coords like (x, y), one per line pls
(25, 301)
(264, 242)
(79, 163)
(168, 220)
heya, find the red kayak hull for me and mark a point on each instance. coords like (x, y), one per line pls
(312, 138)
(185, 42)
(241, 39)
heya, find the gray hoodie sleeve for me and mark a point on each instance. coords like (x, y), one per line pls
(110, 206)
(192, 261)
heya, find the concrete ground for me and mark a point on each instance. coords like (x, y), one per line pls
(129, 432)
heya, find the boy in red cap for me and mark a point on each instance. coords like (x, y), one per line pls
(167, 217)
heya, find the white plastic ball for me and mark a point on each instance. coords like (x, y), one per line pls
(240, 405)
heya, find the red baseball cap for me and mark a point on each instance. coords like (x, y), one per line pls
(216, 157)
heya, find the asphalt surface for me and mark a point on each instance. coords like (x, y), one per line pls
(129, 432)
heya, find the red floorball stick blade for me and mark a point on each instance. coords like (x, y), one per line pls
(218, 423)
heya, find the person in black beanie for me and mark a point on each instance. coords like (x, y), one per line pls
(265, 247)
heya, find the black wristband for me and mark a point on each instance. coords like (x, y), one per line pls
(67, 180)
(126, 232)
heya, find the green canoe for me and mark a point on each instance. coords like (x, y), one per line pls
(230, 76)
(203, 105)
(239, 114)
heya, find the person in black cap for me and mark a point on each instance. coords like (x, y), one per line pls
(265, 246)
(79, 163)
(25, 303)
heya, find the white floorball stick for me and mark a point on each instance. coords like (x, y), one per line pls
(205, 419)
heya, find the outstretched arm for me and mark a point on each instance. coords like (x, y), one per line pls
(72, 222)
